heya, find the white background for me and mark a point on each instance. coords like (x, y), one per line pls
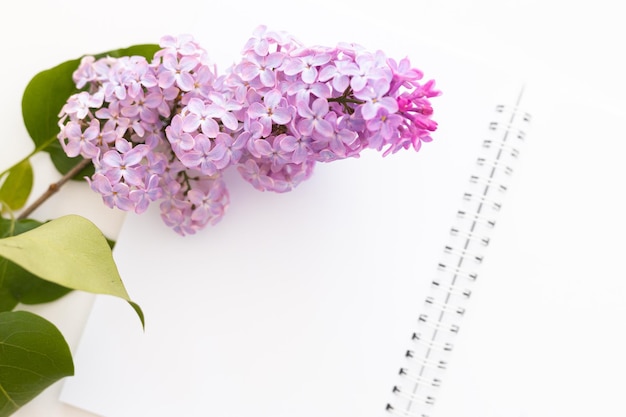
(571, 46)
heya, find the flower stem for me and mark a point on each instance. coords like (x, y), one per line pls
(53, 188)
(346, 98)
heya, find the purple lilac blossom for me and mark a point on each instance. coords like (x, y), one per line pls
(165, 131)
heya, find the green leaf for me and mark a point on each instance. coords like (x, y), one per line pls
(147, 50)
(45, 96)
(33, 355)
(17, 186)
(17, 285)
(20, 286)
(70, 251)
(27, 288)
(43, 99)
(64, 164)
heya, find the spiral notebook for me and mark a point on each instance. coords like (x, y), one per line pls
(341, 298)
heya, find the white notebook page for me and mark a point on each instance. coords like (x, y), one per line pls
(298, 304)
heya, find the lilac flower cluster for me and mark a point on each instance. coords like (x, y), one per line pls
(166, 130)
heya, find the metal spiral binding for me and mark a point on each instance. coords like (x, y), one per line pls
(431, 343)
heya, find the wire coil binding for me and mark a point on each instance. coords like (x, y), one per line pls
(511, 150)
(496, 205)
(431, 344)
(473, 276)
(462, 214)
(410, 354)
(452, 289)
(403, 413)
(432, 339)
(494, 164)
(418, 379)
(428, 400)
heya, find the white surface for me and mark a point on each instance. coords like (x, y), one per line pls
(573, 212)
